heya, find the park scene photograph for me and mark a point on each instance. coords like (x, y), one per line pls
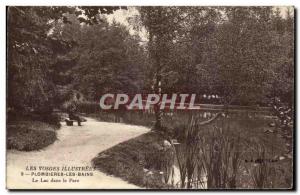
(150, 97)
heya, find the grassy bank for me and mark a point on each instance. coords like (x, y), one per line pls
(246, 146)
(26, 134)
(139, 161)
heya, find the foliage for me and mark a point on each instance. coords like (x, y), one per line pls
(243, 54)
(32, 53)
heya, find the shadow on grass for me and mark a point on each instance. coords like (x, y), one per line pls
(138, 161)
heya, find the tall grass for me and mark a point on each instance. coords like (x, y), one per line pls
(213, 155)
(260, 173)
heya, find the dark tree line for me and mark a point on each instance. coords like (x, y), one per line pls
(33, 53)
(243, 54)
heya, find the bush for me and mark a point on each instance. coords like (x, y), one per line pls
(49, 118)
(88, 107)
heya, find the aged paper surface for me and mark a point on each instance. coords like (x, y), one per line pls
(165, 97)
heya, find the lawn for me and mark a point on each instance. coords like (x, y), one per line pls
(28, 135)
(138, 161)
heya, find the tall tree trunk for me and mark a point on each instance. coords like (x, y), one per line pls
(157, 86)
(158, 112)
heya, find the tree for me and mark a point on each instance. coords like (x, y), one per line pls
(243, 55)
(32, 53)
(105, 59)
(161, 25)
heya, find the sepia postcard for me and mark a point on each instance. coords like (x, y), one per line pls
(150, 97)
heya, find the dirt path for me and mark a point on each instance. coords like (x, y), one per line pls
(76, 146)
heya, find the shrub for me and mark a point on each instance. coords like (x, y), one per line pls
(88, 107)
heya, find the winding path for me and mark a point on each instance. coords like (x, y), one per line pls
(76, 146)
